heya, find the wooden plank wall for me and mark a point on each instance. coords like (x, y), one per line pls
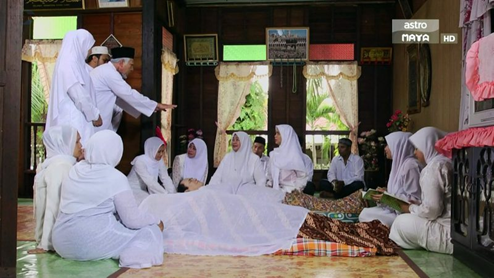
(127, 28)
(365, 26)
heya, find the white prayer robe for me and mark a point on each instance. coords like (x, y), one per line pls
(265, 162)
(178, 170)
(109, 85)
(352, 171)
(309, 166)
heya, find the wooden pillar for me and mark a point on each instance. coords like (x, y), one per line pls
(10, 98)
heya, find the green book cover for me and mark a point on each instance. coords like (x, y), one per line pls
(387, 199)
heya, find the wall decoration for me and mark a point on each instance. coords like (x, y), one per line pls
(376, 55)
(113, 3)
(285, 44)
(111, 42)
(414, 97)
(43, 5)
(425, 73)
(201, 49)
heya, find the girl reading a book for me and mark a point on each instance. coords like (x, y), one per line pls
(427, 224)
(403, 179)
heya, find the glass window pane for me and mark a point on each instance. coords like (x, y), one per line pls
(39, 106)
(321, 149)
(244, 52)
(53, 27)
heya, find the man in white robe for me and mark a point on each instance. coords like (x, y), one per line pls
(111, 88)
(258, 148)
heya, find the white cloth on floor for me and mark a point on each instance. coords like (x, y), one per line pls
(143, 177)
(205, 222)
(352, 171)
(197, 167)
(241, 166)
(433, 214)
(60, 143)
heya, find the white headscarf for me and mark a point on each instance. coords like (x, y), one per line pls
(196, 166)
(95, 179)
(401, 150)
(70, 68)
(425, 140)
(288, 156)
(151, 147)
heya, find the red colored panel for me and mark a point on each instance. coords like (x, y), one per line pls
(328, 52)
(167, 39)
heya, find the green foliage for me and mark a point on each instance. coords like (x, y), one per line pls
(254, 113)
(320, 105)
(39, 107)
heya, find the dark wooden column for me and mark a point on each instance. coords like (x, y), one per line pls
(10, 98)
(153, 15)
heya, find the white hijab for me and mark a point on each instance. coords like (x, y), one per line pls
(70, 68)
(151, 147)
(401, 150)
(196, 166)
(425, 140)
(288, 156)
(95, 179)
(59, 142)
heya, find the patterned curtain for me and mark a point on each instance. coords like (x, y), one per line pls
(169, 68)
(44, 53)
(342, 83)
(234, 85)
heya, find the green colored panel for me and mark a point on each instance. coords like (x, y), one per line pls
(244, 52)
(53, 27)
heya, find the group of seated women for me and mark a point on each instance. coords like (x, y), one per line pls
(88, 210)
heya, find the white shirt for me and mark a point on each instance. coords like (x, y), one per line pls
(352, 171)
(109, 84)
(265, 162)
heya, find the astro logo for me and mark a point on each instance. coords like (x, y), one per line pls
(415, 31)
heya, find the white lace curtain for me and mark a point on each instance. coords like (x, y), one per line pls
(169, 68)
(234, 85)
(341, 78)
(44, 53)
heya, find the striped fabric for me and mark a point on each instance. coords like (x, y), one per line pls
(320, 248)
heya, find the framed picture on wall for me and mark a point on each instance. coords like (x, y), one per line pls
(53, 5)
(414, 95)
(285, 44)
(113, 3)
(111, 42)
(201, 48)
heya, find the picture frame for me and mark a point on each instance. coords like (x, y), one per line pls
(54, 5)
(111, 42)
(414, 93)
(113, 3)
(201, 48)
(287, 44)
(376, 55)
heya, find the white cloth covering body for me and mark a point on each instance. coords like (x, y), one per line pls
(428, 223)
(352, 171)
(403, 179)
(59, 142)
(205, 222)
(109, 85)
(241, 166)
(99, 218)
(72, 100)
(196, 167)
(143, 177)
(287, 169)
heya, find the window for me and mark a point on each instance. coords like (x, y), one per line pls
(323, 124)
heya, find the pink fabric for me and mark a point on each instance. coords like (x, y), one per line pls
(479, 73)
(472, 137)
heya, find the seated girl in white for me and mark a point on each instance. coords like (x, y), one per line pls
(63, 148)
(240, 165)
(287, 170)
(403, 179)
(427, 224)
(193, 164)
(99, 218)
(143, 177)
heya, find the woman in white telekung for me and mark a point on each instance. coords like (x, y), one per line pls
(99, 218)
(193, 164)
(403, 179)
(427, 225)
(63, 148)
(147, 168)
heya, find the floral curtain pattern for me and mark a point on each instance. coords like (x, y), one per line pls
(234, 85)
(44, 53)
(169, 68)
(342, 83)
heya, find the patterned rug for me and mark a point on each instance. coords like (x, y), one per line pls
(185, 266)
(25, 223)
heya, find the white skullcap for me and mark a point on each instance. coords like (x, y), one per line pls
(99, 50)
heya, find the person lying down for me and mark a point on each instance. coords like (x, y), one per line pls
(209, 222)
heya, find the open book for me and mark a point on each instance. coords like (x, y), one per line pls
(387, 199)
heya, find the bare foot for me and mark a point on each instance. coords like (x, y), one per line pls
(37, 251)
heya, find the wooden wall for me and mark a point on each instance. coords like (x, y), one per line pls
(365, 25)
(443, 111)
